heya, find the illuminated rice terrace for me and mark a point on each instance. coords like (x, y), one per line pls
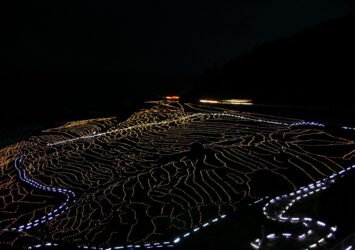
(165, 174)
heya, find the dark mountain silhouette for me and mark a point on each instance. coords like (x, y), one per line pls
(313, 67)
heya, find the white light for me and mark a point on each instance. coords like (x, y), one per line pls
(254, 245)
(302, 236)
(282, 218)
(313, 246)
(223, 215)
(321, 223)
(271, 236)
(176, 240)
(329, 235)
(214, 220)
(206, 224)
(287, 235)
(349, 248)
(187, 234)
(196, 229)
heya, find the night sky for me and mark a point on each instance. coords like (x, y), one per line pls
(164, 37)
(74, 47)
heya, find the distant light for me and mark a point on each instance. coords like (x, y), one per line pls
(349, 248)
(229, 102)
(176, 240)
(238, 102)
(172, 97)
(209, 101)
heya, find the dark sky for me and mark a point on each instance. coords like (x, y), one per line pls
(175, 38)
(111, 42)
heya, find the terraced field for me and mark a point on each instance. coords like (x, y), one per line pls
(151, 181)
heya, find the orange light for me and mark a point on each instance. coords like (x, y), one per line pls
(172, 97)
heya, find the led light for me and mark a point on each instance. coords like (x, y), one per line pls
(271, 236)
(302, 236)
(287, 235)
(321, 223)
(254, 245)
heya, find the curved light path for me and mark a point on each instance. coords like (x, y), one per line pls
(293, 197)
(200, 114)
(70, 199)
(277, 207)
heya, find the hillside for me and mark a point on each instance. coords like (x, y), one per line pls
(313, 67)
